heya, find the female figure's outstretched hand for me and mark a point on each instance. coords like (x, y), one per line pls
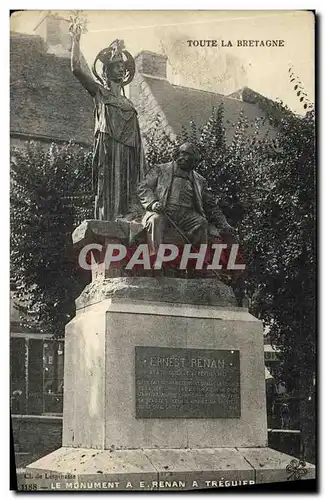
(77, 27)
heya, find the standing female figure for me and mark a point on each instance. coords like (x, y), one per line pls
(117, 161)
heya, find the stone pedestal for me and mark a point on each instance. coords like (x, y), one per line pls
(105, 444)
(125, 327)
(100, 390)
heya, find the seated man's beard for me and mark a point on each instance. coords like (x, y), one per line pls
(186, 166)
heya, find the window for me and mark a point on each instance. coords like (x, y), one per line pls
(270, 356)
(53, 376)
(36, 375)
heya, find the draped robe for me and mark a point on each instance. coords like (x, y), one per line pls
(118, 160)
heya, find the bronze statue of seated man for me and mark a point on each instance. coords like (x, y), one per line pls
(175, 194)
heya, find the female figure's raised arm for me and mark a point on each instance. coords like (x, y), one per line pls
(87, 81)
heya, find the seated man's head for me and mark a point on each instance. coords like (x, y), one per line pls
(186, 157)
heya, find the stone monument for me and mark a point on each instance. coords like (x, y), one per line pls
(164, 378)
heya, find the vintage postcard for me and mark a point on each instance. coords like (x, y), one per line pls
(163, 208)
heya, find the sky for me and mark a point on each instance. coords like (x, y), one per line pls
(218, 69)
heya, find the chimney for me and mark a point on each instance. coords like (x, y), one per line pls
(55, 32)
(151, 64)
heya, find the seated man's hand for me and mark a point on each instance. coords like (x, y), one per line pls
(213, 231)
(229, 233)
(157, 207)
(227, 229)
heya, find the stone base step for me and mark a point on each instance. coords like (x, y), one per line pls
(68, 469)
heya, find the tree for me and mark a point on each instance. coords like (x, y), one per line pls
(49, 198)
(280, 241)
(266, 187)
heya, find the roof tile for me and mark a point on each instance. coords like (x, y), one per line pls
(45, 97)
(181, 105)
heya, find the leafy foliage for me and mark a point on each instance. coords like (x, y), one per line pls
(49, 197)
(280, 241)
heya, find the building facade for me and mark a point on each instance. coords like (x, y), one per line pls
(47, 103)
(177, 106)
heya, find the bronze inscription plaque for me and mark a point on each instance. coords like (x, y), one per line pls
(187, 383)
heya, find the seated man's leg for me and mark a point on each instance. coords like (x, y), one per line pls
(155, 224)
(200, 235)
(195, 226)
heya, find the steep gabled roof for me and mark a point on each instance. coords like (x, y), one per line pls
(182, 104)
(45, 98)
